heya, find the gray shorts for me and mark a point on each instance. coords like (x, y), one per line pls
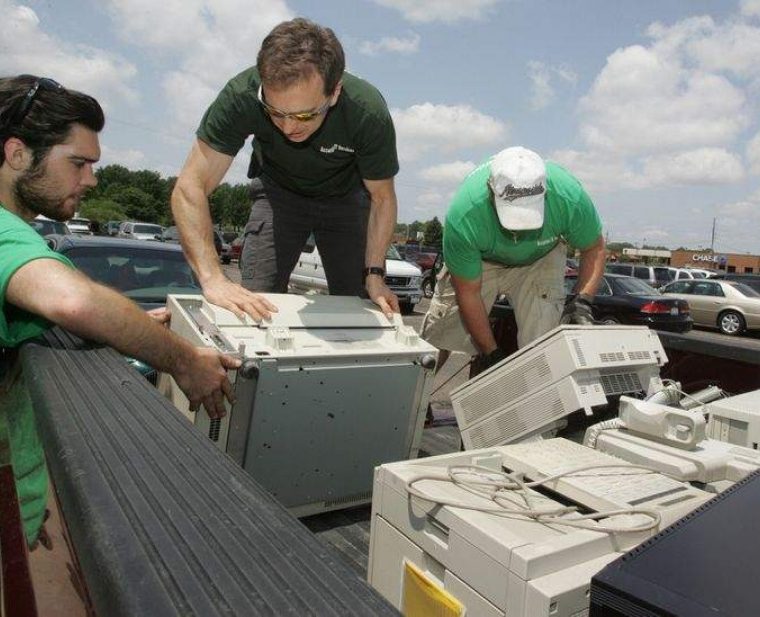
(536, 293)
(279, 225)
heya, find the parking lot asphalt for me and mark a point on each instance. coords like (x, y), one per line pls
(453, 373)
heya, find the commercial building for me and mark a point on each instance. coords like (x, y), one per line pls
(723, 262)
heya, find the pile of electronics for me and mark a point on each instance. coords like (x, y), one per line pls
(520, 522)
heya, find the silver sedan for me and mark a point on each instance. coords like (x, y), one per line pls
(730, 306)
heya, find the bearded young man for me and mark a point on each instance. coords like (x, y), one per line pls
(49, 139)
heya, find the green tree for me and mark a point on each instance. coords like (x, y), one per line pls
(108, 176)
(434, 233)
(138, 205)
(102, 210)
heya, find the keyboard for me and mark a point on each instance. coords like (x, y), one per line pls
(622, 487)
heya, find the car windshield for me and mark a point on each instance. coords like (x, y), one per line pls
(634, 287)
(745, 290)
(145, 275)
(148, 229)
(392, 253)
(44, 228)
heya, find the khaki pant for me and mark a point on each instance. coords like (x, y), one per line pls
(536, 293)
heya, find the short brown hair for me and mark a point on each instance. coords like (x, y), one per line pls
(295, 48)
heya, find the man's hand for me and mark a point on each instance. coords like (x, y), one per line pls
(578, 311)
(487, 360)
(382, 296)
(223, 292)
(202, 376)
(162, 315)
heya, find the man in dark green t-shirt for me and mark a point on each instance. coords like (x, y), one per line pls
(324, 158)
(507, 232)
(49, 143)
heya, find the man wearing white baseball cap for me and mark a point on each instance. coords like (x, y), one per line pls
(507, 232)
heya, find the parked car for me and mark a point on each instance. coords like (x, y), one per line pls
(111, 228)
(142, 270)
(171, 235)
(80, 225)
(236, 247)
(45, 226)
(644, 272)
(751, 280)
(134, 230)
(627, 300)
(730, 306)
(401, 277)
(430, 276)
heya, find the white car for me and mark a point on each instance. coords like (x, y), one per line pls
(140, 231)
(79, 225)
(403, 279)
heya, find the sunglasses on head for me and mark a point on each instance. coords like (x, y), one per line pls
(16, 115)
(300, 116)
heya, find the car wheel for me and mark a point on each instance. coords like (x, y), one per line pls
(407, 308)
(731, 323)
(428, 287)
(609, 320)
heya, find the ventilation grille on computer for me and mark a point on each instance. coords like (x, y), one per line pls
(507, 387)
(621, 383)
(539, 410)
(356, 498)
(639, 355)
(612, 356)
(579, 352)
(214, 427)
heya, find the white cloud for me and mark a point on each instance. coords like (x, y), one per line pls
(750, 8)
(753, 154)
(447, 11)
(130, 158)
(541, 76)
(447, 173)
(102, 74)
(210, 41)
(643, 101)
(421, 128)
(695, 167)
(408, 45)
(737, 223)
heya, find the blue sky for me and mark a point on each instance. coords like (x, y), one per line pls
(652, 104)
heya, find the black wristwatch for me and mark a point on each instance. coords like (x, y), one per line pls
(374, 270)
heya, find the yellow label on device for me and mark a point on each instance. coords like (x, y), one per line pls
(424, 598)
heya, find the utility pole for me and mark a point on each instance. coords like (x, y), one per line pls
(712, 238)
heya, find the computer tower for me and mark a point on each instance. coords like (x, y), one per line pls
(329, 388)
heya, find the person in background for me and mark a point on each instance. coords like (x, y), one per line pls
(507, 232)
(49, 140)
(324, 158)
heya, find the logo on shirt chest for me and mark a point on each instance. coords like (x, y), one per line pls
(335, 148)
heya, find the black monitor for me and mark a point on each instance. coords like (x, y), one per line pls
(706, 564)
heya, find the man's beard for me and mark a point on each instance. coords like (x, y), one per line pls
(32, 193)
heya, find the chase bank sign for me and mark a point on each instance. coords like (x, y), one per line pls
(709, 257)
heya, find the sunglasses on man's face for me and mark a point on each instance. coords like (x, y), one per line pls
(300, 116)
(16, 116)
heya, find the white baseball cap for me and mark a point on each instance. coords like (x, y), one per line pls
(518, 182)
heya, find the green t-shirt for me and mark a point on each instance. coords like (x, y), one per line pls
(472, 232)
(356, 140)
(20, 244)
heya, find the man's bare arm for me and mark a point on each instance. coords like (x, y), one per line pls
(66, 297)
(473, 313)
(382, 221)
(201, 174)
(591, 268)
